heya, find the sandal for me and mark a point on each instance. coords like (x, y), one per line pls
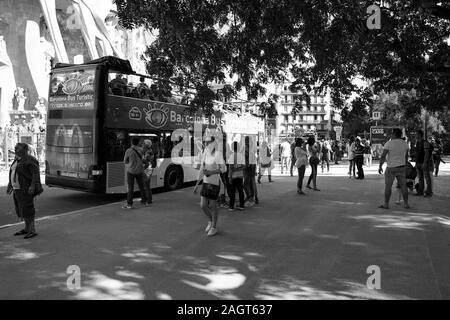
(20, 233)
(30, 235)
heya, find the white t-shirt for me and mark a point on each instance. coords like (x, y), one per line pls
(397, 149)
(212, 162)
(286, 149)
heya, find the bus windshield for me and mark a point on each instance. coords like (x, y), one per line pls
(70, 123)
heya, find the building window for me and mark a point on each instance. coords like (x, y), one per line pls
(285, 88)
(286, 119)
(285, 98)
(315, 118)
(285, 109)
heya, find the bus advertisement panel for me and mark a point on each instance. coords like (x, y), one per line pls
(70, 124)
(129, 113)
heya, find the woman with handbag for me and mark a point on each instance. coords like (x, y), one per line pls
(24, 184)
(236, 178)
(301, 162)
(314, 152)
(211, 167)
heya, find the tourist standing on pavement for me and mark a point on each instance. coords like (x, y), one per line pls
(149, 160)
(368, 154)
(212, 166)
(424, 165)
(285, 156)
(358, 152)
(395, 153)
(134, 164)
(293, 158)
(267, 164)
(236, 178)
(301, 162)
(326, 154)
(336, 152)
(24, 184)
(313, 151)
(250, 187)
(351, 157)
(437, 155)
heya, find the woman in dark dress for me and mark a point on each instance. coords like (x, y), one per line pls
(24, 184)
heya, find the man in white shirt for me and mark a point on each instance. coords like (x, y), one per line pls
(395, 153)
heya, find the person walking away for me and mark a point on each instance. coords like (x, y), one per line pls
(437, 155)
(24, 184)
(351, 157)
(285, 155)
(313, 151)
(263, 166)
(368, 154)
(134, 164)
(212, 166)
(301, 162)
(293, 158)
(149, 160)
(236, 177)
(395, 153)
(326, 155)
(423, 160)
(358, 152)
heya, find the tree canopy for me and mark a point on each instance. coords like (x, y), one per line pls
(319, 44)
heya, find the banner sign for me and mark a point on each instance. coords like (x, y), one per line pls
(130, 113)
(378, 137)
(72, 90)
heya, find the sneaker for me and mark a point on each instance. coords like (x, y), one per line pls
(239, 208)
(147, 204)
(231, 209)
(208, 227)
(212, 232)
(127, 207)
(249, 204)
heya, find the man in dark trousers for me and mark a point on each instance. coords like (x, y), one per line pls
(395, 153)
(135, 171)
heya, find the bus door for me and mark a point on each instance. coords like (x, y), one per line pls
(118, 143)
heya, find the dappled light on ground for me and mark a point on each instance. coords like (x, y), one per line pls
(217, 280)
(403, 220)
(97, 286)
(141, 256)
(290, 288)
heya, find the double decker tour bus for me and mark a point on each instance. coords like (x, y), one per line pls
(94, 111)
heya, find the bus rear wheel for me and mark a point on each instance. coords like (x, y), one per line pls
(173, 178)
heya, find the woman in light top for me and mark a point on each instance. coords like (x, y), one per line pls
(301, 162)
(351, 157)
(314, 159)
(211, 167)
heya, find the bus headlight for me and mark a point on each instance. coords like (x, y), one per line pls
(95, 173)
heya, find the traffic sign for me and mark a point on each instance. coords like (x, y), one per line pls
(376, 115)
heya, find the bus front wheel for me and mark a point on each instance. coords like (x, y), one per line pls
(173, 178)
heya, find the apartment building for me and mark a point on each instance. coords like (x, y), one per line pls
(315, 119)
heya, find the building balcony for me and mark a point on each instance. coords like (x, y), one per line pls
(320, 111)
